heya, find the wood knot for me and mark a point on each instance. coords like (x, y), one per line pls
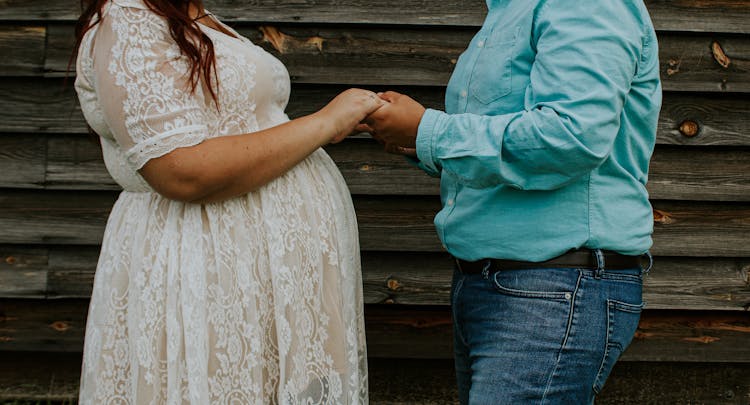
(663, 217)
(673, 66)
(702, 339)
(639, 335)
(689, 128)
(365, 168)
(276, 38)
(316, 42)
(60, 326)
(11, 260)
(393, 284)
(719, 56)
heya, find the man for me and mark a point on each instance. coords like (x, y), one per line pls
(543, 154)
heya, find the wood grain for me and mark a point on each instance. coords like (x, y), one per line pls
(23, 50)
(32, 105)
(432, 382)
(55, 377)
(409, 332)
(391, 278)
(399, 56)
(671, 15)
(694, 229)
(662, 335)
(75, 163)
(22, 161)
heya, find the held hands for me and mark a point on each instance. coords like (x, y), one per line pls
(345, 112)
(391, 118)
(395, 124)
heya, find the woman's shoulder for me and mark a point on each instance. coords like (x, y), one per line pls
(135, 20)
(138, 4)
(133, 12)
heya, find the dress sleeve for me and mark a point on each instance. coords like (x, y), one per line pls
(142, 83)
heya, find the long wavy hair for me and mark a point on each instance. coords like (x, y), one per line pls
(193, 42)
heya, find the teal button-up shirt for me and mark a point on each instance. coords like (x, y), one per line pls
(549, 126)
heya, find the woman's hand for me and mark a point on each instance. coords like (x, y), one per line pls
(345, 112)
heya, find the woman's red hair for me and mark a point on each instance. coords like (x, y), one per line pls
(193, 42)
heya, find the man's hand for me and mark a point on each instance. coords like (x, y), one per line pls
(395, 124)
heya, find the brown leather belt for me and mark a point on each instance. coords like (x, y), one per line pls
(581, 258)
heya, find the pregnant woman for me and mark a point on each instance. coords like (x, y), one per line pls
(229, 270)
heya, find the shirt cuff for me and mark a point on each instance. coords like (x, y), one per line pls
(426, 139)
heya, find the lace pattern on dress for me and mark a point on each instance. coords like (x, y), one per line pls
(253, 300)
(153, 74)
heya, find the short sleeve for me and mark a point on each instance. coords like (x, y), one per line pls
(143, 86)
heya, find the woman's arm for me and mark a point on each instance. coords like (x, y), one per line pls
(229, 166)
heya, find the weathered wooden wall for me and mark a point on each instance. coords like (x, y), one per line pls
(693, 344)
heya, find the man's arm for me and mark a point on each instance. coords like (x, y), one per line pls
(586, 60)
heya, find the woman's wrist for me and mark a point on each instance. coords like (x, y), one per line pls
(321, 127)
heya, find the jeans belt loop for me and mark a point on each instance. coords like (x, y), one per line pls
(650, 263)
(600, 263)
(486, 269)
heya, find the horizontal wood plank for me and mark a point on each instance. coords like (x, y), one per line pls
(405, 381)
(682, 228)
(23, 50)
(51, 217)
(724, 175)
(23, 160)
(55, 377)
(670, 15)
(418, 55)
(661, 336)
(391, 278)
(673, 283)
(29, 105)
(75, 163)
(406, 332)
(385, 223)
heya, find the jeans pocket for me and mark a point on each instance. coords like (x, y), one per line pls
(622, 322)
(534, 284)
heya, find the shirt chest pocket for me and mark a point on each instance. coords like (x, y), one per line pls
(491, 77)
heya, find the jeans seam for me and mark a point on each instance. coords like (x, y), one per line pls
(565, 338)
(610, 308)
(454, 304)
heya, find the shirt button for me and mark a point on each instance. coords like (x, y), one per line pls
(450, 201)
(480, 44)
(464, 93)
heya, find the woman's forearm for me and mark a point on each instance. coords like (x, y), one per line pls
(229, 166)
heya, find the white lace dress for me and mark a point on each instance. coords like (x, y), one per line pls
(254, 300)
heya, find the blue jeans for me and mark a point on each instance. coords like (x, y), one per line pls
(541, 336)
